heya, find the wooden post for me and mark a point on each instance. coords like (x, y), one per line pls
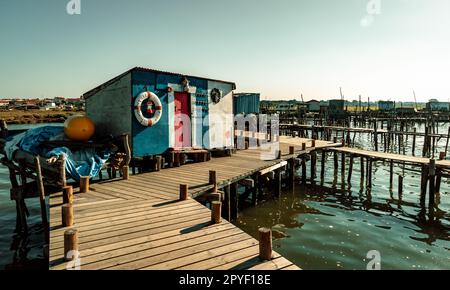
(431, 176)
(313, 145)
(125, 172)
(67, 194)
(322, 167)
(213, 180)
(70, 244)
(84, 184)
(343, 167)
(313, 165)
(423, 185)
(336, 163)
(303, 169)
(40, 185)
(350, 169)
(278, 182)
(62, 170)
(391, 174)
(400, 185)
(216, 208)
(226, 206)
(303, 146)
(67, 215)
(265, 244)
(362, 169)
(255, 189)
(369, 173)
(234, 208)
(414, 142)
(183, 192)
(291, 150)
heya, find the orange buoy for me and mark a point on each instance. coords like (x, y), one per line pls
(79, 128)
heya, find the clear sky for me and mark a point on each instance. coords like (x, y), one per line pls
(279, 48)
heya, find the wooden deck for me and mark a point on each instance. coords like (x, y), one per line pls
(391, 156)
(140, 223)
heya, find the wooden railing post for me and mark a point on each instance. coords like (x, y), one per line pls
(183, 191)
(126, 172)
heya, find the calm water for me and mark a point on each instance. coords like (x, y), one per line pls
(16, 251)
(325, 227)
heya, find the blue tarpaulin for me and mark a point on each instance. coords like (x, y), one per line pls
(86, 162)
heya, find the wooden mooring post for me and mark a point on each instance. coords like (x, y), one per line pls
(265, 244)
(67, 215)
(216, 212)
(183, 192)
(71, 245)
(213, 180)
(67, 194)
(84, 184)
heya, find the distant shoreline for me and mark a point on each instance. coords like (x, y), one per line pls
(36, 116)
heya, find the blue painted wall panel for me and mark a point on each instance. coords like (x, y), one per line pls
(155, 140)
(246, 103)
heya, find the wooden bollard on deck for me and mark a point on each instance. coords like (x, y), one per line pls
(265, 244)
(313, 143)
(303, 146)
(125, 172)
(291, 150)
(183, 191)
(67, 215)
(84, 184)
(216, 212)
(71, 245)
(213, 179)
(67, 194)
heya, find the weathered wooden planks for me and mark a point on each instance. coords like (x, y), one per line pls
(139, 223)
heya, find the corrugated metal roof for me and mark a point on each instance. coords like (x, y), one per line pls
(104, 85)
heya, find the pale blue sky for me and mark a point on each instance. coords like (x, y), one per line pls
(279, 48)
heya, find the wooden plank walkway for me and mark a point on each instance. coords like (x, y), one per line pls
(140, 223)
(391, 156)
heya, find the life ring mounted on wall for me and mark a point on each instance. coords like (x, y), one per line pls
(152, 98)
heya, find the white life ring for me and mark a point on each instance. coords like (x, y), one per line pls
(148, 122)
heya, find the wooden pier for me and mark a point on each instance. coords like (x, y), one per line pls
(145, 222)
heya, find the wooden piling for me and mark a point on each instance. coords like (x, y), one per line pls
(322, 167)
(391, 174)
(71, 245)
(431, 176)
(183, 192)
(234, 201)
(67, 215)
(213, 180)
(350, 169)
(414, 142)
(313, 165)
(362, 169)
(84, 184)
(216, 208)
(226, 205)
(277, 183)
(265, 244)
(400, 185)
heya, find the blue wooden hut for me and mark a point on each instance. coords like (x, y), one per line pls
(163, 110)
